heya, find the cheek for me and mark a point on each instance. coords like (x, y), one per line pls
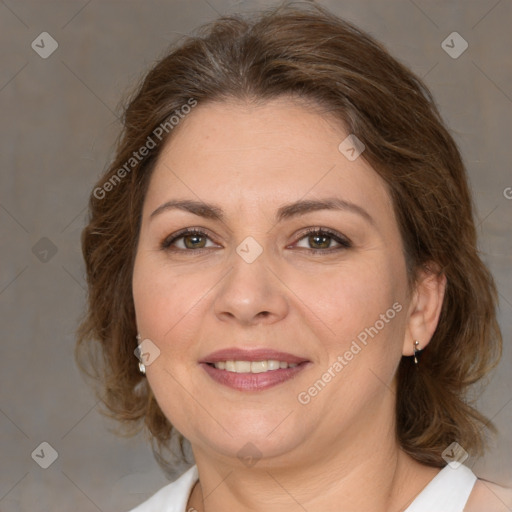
(364, 307)
(350, 298)
(169, 305)
(166, 306)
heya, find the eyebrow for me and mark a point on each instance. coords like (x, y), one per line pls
(286, 211)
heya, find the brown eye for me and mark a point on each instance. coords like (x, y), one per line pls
(194, 241)
(186, 240)
(320, 240)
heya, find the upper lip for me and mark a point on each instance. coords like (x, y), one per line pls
(260, 354)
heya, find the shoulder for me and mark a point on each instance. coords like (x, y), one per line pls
(489, 497)
(173, 497)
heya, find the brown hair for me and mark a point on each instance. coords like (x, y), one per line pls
(306, 52)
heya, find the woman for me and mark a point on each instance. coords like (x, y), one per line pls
(286, 241)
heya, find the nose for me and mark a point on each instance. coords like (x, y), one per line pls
(251, 293)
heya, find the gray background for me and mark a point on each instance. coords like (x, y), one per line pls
(58, 124)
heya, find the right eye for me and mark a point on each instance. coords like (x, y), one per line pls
(191, 239)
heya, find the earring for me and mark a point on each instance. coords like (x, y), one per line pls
(417, 350)
(142, 367)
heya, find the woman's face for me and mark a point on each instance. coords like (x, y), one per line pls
(254, 287)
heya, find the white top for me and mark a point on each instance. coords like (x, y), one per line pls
(448, 491)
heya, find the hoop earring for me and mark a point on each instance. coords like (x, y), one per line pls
(142, 367)
(417, 350)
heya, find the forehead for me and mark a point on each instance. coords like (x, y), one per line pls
(248, 157)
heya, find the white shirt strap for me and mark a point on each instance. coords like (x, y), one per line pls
(448, 491)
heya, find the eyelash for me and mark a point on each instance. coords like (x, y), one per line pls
(344, 242)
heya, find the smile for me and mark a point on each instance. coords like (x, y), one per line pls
(254, 369)
(253, 366)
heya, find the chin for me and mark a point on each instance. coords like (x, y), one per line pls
(250, 443)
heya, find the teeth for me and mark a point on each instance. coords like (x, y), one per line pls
(242, 366)
(259, 366)
(253, 366)
(273, 364)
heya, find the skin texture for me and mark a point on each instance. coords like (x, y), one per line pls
(340, 447)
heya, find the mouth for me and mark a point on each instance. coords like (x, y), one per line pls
(252, 370)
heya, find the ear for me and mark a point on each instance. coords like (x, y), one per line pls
(425, 308)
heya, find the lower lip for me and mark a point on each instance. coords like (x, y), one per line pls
(253, 381)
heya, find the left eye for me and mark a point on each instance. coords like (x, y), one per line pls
(320, 240)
